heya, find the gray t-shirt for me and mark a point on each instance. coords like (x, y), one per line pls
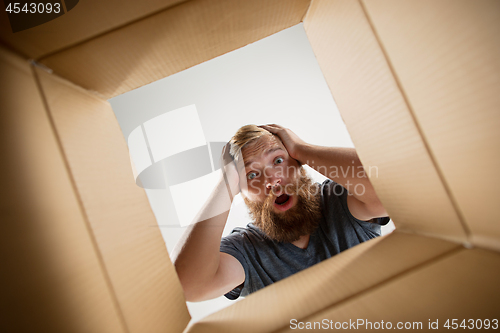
(266, 261)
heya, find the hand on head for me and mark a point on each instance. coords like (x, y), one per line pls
(290, 140)
(229, 171)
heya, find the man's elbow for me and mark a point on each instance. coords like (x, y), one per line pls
(194, 290)
(194, 294)
(376, 209)
(191, 293)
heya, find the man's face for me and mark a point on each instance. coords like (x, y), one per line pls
(281, 198)
(268, 170)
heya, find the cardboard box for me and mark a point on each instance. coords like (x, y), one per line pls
(417, 85)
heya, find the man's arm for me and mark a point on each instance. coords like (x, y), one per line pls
(339, 164)
(205, 272)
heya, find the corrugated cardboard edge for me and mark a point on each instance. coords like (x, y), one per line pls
(460, 286)
(171, 41)
(75, 27)
(132, 250)
(448, 69)
(330, 282)
(51, 262)
(36, 74)
(360, 79)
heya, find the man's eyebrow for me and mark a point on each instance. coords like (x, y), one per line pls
(247, 163)
(272, 150)
(266, 152)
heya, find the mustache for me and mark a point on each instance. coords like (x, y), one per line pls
(302, 186)
(299, 220)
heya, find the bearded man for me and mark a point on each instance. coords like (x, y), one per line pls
(296, 223)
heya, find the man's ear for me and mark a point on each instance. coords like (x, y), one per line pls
(241, 173)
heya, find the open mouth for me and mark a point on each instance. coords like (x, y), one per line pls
(283, 202)
(282, 199)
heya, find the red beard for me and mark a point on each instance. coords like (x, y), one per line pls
(288, 226)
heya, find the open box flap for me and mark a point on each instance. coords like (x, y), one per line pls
(127, 236)
(332, 281)
(460, 286)
(88, 19)
(380, 121)
(448, 66)
(171, 41)
(52, 278)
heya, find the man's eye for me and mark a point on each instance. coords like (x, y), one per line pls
(252, 175)
(279, 160)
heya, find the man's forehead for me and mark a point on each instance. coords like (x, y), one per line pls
(260, 147)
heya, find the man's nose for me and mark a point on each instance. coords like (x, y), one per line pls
(272, 182)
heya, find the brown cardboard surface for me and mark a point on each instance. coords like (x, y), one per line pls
(379, 120)
(52, 279)
(89, 18)
(80, 243)
(171, 41)
(332, 281)
(463, 285)
(446, 55)
(127, 236)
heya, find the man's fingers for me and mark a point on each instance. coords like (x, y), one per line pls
(229, 171)
(266, 127)
(271, 125)
(273, 128)
(226, 158)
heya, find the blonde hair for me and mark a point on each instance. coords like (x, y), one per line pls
(245, 135)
